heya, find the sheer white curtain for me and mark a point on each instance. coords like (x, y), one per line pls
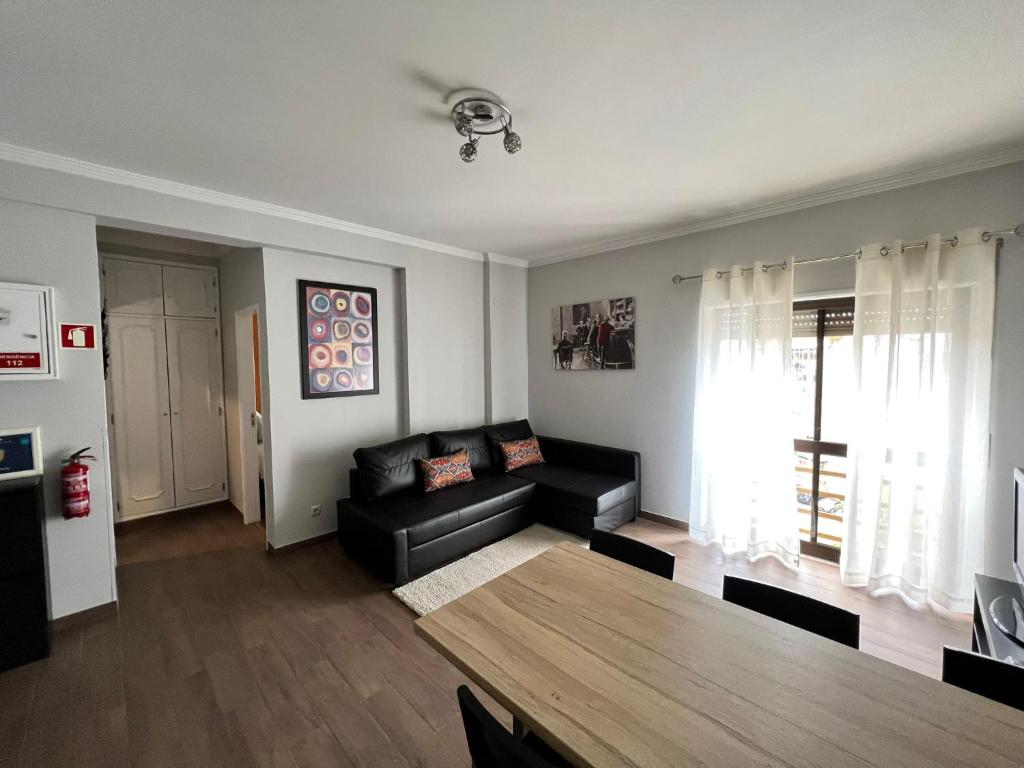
(742, 480)
(918, 455)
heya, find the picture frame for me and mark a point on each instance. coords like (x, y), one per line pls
(28, 349)
(339, 346)
(594, 335)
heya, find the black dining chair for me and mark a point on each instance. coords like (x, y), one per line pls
(984, 675)
(633, 552)
(508, 752)
(491, 746)
(800, 611)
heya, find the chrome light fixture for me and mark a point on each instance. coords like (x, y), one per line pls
(482, 116)
(468, 150)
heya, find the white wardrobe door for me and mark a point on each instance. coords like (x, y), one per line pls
(190, 292)
(142, 425)
(197, 410)
(132, 287)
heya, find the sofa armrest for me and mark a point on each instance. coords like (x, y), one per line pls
(596, 458)
(383, 552)
(355, 484)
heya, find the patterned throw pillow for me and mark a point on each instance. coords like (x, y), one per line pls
(521, 453)
(443, 471)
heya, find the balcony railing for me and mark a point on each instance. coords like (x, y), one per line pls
(831, 503)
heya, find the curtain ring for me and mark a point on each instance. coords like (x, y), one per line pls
(955, 243)
(764, 269)
(718, 275)
(785, 266)
(884, 251)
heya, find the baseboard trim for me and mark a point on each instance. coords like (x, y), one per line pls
(271, 549)
(654, 517)
(88, 616)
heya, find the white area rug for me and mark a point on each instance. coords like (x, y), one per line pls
(430, 592)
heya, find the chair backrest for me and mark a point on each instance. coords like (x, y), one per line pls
(800, 611)
(478, 723)
(633, 552)
(985, 676)
(510, 752)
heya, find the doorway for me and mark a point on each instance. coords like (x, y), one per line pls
(170, 370)
(250, 414)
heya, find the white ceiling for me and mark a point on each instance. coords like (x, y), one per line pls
(636, 117)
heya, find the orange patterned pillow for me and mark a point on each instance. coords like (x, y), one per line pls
(446, 470)
(521, 453)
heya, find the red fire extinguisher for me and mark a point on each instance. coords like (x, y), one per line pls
(74, 482)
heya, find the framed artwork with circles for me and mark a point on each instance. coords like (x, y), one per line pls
(338, 329)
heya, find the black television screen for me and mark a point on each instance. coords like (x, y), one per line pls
(1018, 524)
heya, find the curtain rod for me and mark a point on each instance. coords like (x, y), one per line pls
(985, 236)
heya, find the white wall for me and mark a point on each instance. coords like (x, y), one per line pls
(51, 247)
(241, 286)
(650, 409)
(432, 369)
(311, 441)
(445, 340)
(507, 379)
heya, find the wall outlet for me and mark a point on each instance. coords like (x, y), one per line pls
(314, 510)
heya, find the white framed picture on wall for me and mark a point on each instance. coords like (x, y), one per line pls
(26, 332)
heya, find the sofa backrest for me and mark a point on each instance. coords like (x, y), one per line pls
(502, 433)
(474, 441)
(392, 467)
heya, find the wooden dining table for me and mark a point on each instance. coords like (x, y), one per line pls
(613, 666)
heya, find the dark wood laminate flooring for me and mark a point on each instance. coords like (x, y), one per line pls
(223, 655)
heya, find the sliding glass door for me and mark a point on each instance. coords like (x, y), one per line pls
(823, 373)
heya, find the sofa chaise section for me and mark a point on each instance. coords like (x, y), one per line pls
(583, 487)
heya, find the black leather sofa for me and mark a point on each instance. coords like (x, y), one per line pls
(391, 526)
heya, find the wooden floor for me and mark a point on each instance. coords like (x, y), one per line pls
(185, 532)
(223, 655)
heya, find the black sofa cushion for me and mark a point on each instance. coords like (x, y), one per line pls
(578, 489)
(391, 468)
(473, 440)
(425, 517)
(502, 433)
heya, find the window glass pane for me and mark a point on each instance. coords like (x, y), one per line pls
(805, 362)
(837, 391)
(832, 488)
(804, 476)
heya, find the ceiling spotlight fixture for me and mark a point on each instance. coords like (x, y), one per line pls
(482, 116)
(468, 150)
(512, 141)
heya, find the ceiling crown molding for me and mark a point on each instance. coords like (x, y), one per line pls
(511, 261)
(46, 160)
(788, 205)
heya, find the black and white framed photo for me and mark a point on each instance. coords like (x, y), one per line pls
(338, 331)
(594, 335)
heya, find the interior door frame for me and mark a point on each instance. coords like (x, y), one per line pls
(249, 449)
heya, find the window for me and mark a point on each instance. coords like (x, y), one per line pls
(823, 374)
